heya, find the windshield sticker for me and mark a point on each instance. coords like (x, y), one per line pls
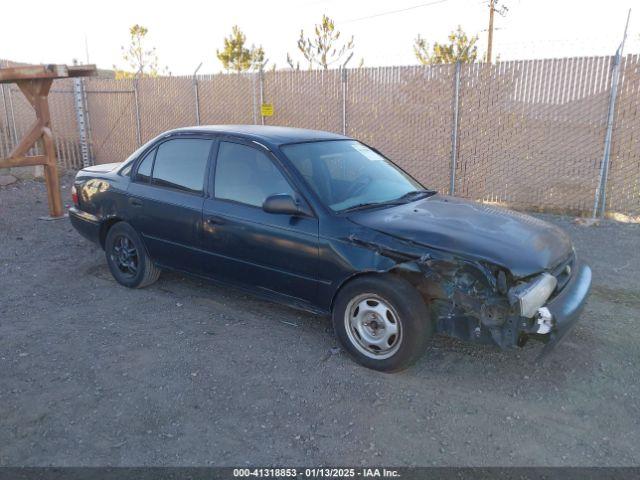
(367, 152)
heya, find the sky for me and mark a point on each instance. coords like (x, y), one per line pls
(188, 32)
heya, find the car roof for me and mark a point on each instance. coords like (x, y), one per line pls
(267, 134)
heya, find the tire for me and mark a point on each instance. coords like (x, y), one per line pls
(127, 257)
(382, 321)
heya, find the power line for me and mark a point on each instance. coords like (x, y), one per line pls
(395, 11)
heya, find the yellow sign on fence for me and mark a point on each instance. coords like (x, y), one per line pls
(266, 110)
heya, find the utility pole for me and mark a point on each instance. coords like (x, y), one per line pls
(490, 36)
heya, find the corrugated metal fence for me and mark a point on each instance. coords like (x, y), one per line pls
(529, 133)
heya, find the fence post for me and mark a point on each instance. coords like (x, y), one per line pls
(343, 71)
(13, 117)
(7, 134)
(454, 133)
(601, 190)
(79, 95)
(11, 136)
(196, 92)
(344, 100)
(261, 73)
(137, 105)
(254, 82)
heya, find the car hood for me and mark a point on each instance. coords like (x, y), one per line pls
(520, 243)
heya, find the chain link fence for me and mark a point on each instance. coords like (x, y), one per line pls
(532, 133)
(529, 134)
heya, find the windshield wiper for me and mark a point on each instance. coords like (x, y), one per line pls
(416, 194)
(407, 197)
(365, 205)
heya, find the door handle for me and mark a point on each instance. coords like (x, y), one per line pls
(135, 202)
(215, 220)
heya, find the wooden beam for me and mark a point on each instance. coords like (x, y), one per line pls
(41, 87)
(38, 72)
(51, 175)
(23, 161)
(32, 136)
(33, 72)
(27, 91)
(82, 70)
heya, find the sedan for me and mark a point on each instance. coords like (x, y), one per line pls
(323, 222)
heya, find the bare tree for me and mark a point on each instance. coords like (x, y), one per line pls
(325, 48)
(141, 59)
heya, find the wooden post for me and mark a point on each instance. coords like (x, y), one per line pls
(36, 92)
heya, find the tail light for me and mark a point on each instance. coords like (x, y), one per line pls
(74, 196)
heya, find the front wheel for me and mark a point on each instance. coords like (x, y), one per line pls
(382, 321)
(127, 258)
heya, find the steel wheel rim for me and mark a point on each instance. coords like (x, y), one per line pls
(124, 256)
(373, 326)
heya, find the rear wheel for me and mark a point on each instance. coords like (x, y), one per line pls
(127, 257)
(382, 321)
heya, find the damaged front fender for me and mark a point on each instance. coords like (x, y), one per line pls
(467, 298)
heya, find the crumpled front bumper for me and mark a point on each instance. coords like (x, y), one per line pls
(567, 306)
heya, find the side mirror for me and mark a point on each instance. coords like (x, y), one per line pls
(285, 204)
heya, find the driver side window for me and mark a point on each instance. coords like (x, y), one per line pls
(247, 175)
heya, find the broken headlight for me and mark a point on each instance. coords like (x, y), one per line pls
(533, 295)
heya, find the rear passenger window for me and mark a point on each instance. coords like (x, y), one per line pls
(182, 164)
(144, 169)
(247, 175)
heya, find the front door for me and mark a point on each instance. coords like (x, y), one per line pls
(246, 245)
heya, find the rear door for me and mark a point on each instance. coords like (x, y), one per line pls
(245, 244)
(166, 198)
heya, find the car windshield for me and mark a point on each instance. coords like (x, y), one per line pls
(347, 174)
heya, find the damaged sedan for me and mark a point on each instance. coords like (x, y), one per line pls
(325, 223)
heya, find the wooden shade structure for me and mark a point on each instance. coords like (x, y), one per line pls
(35, 82)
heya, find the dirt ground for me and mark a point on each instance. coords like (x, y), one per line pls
(186, 373)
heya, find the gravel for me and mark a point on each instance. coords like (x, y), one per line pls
(188, 373)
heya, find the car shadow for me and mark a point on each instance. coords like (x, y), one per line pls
(443, 355)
